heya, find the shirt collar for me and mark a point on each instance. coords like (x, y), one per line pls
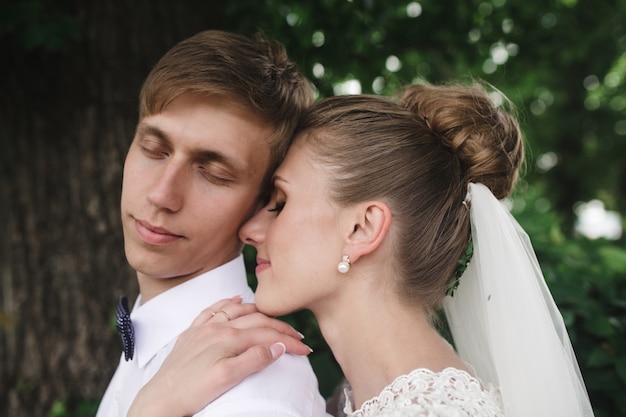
(164, 317)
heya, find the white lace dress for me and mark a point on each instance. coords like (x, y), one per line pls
(424, 393)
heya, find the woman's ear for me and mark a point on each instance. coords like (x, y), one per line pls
(371, 221)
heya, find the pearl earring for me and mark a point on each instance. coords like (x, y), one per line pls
(344, 265)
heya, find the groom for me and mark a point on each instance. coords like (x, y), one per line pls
(216, 116)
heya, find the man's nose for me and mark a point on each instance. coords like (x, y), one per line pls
(167, 192)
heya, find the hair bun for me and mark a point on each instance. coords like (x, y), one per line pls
(486, 138)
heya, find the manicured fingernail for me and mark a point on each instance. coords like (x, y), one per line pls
(299, 334)
(277, 350)
(236, 299)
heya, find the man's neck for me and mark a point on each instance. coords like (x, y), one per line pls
(150, 287)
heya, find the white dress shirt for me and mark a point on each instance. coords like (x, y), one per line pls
(288, 387)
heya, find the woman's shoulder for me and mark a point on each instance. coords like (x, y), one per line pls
(422, 392)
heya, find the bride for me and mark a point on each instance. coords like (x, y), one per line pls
(385, 211)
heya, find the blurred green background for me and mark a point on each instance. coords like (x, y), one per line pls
(70, 72)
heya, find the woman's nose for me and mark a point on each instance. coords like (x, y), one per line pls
(253, 231)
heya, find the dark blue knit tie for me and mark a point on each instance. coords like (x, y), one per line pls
(125, 328)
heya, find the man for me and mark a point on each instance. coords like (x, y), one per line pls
(216, 116)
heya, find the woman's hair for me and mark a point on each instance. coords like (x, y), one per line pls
(254, 74)
(417, 152)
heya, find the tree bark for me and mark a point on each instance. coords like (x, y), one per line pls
(67, 117)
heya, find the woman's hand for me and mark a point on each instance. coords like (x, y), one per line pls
(225, 343)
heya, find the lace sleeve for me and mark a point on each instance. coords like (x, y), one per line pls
(423, 393)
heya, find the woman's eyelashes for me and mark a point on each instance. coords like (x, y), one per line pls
(278, 207)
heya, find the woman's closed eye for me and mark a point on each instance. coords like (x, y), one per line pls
(278, 207)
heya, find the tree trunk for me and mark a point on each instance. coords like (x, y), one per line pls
(67, 117)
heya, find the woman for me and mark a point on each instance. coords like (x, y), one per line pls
(378, 209)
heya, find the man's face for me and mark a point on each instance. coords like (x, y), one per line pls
(191, 178)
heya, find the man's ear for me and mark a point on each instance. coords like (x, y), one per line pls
(371, 221)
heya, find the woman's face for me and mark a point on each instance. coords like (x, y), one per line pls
(297, 237)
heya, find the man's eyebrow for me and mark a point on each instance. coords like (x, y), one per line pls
(146, 129)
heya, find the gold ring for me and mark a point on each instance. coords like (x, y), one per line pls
(222, 312)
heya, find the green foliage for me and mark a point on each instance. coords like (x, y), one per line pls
(39, 24)
(73, 409)
(588, 279)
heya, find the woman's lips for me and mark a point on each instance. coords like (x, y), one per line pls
(261, 265)
(154, 235)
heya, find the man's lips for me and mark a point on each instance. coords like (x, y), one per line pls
(154, 235)
(261, 265)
